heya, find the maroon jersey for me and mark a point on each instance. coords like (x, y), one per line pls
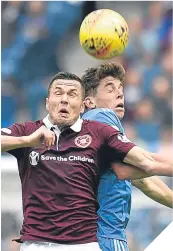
(59, 186)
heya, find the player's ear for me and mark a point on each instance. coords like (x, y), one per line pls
(82, 109)
(47, 104)
(90, 102)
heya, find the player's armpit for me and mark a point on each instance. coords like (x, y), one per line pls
(147, 162)
(128, 172)
(155, 189)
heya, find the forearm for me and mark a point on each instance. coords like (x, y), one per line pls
(10, 142)
(155, 167)
(161, 158)
(155, 189)
(148, 162)
(128, 172)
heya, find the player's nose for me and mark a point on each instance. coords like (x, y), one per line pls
(120, 94)
(64, 98)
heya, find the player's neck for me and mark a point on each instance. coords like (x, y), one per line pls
(55, 125)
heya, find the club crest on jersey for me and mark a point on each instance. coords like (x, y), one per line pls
(123, 138)
(83, 141)
(33, 158)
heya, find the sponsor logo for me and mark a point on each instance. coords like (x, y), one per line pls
(33, 158)
(123, 138)
(70, 158)
(6, 130)
(83, 141)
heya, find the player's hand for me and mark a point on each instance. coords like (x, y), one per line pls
(42, 136)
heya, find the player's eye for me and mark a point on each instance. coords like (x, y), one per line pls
(58, 93)
(110, 88)
(73, 94)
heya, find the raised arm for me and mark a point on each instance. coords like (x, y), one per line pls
(155, 189)
(40, 136)
(153, 164)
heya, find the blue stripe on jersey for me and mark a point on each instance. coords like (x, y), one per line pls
(114, 195)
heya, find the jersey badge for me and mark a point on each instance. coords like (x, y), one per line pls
(83, 141)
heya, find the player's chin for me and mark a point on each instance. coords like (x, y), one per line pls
(120, 113)
(63, 120)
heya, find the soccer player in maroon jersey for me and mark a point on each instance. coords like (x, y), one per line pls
(58, 160)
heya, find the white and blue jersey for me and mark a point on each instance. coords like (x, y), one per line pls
(114, 195)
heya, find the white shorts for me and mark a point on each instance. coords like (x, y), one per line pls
(48, 246)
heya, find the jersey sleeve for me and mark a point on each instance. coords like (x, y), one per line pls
(15, 130)
(118, 144)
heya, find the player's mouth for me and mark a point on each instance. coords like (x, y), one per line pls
(119, 107)
(63, 112)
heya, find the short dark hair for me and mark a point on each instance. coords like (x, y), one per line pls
(92, 76)
(67, 76)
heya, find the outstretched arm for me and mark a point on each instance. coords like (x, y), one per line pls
(128, 172)
(153, 164)
(155, 189)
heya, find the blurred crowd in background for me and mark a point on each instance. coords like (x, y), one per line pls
(40, 38)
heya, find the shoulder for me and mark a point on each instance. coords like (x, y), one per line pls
(32, 126)
(27, 127)
(21, 129)
(98, 111)
(97, 126)
(104, 115)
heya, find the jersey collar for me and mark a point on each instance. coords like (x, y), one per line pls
(76, 127)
